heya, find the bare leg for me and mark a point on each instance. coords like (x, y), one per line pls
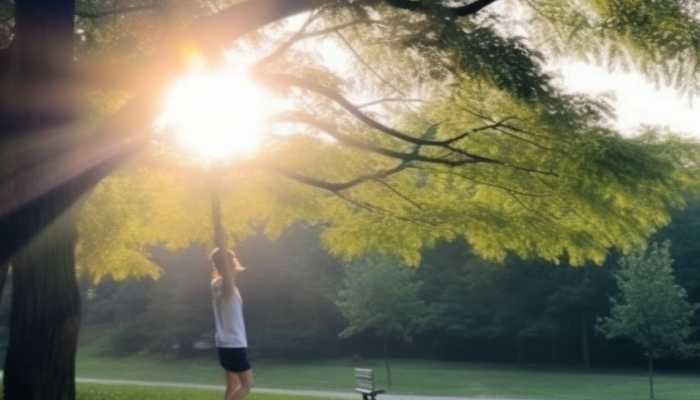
(245, 379)
(232, 384)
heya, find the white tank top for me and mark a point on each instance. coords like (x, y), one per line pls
(228, 317)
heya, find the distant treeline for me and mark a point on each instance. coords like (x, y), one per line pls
(525, 312)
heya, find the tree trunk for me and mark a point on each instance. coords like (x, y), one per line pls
(585, 345)
(387, 363)
(4, 268)
(651, 376)
(45, 318)
(38, 112)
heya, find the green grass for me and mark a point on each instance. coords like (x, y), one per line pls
(418, 377)
(410, 377)
(118, 392)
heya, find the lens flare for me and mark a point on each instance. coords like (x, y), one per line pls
(217, 115)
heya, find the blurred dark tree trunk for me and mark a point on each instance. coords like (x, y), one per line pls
(4, 268)
(38, 112)
(45, 317)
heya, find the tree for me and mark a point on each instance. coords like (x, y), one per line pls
(546, 306)
(685, 226)
(179, 306)
(290, 288)
(45, 316)
(467, 301)
(651, 308)
(579, 295)
(38, 69)
(165, 316)
(506, 65)
(500, 145)
(380, 297)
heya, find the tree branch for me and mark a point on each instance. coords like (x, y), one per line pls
(381, 210)
(461, 136)
(116, 11)
(522, 139)
(287, 44)
(368, 65)
(389, 100)
(361, 144)
(301, 34)
(398, 193)
(507, 189)
(334, 187)
(288, 80)
(216, 33)
(466, 157)
(459, 11)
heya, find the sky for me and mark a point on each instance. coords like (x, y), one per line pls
(636, 99)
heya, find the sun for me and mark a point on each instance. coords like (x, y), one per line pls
(217, 115)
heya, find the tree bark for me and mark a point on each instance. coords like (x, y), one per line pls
(651, 376)
(45, 317)
(38, 113)
(4, 269)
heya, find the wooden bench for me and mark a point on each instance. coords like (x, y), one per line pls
(364, 382)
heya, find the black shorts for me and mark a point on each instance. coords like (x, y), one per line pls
(233, 359)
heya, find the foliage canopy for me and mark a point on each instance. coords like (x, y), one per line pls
(442, 124)
(381, 297)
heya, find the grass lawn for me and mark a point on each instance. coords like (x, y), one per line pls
(410, 377)
(415, 377)
(119, 392)
(116, 392)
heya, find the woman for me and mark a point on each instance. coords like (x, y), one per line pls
(231, 340)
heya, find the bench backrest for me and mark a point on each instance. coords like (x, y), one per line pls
(364, 378)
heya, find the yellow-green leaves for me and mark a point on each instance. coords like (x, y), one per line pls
(553, 181)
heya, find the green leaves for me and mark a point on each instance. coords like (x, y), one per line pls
(380, 296)
(132, 210)
(651, 308)
(554, 180)
(660, 38)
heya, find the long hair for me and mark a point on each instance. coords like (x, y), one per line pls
(216, 257)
